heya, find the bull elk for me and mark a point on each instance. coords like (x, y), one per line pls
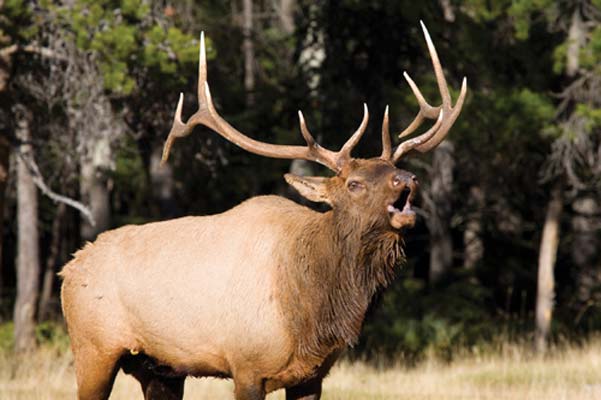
(268, 293)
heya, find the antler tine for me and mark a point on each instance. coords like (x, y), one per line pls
(179, 128)
(202, 68)
(386, 144)
(304, 130)
(413, 143)
(446, 113)
(345, 152)
(442, 82)
(447, 123)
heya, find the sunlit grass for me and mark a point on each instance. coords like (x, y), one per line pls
(569, 373)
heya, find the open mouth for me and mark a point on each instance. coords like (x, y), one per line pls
(400, 212)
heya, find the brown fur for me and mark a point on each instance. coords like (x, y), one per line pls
(267, 293)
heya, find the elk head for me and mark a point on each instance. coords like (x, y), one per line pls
(372, 188)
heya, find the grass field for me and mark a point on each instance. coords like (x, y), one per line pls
(570, 373)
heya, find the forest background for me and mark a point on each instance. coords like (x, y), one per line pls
(507, 247)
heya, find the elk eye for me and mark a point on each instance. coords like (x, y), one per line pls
(354, 186)
(396, 181)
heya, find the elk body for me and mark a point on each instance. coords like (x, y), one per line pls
(267, 293)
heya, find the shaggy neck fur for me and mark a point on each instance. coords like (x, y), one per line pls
(338, 265)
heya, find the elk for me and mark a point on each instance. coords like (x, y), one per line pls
(267, 293)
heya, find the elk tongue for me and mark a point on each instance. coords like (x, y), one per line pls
(401, 219)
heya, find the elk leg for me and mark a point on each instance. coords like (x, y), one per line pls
(249, 390)
(309, 390)
(164, 388)
(95, 371)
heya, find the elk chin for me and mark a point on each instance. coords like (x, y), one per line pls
(401, 219)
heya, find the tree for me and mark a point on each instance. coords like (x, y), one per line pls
(28, 263)
(546, 263)
(439, 210)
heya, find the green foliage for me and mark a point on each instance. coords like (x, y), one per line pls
(50, 334)
(522, 12)
(127, 41)
(7, 337)
(590, 54)
(414, 320)
(483, 10)
(130, 182)
(17, 24)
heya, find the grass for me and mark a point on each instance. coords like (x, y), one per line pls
(569, 373)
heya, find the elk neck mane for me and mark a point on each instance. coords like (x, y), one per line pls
(327, 282)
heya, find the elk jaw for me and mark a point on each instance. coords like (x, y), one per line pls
(404, 218)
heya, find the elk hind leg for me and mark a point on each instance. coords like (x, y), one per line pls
(95, 371)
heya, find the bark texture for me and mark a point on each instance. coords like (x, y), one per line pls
(439, 211)
(248, 49)
(28, 264)
(95, 193)
(45, 306)
(472, 236)
(546, 262)
(4, 174)
(586, 248)
(163, 186)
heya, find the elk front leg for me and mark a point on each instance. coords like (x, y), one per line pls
(249, 389)
(309, 390)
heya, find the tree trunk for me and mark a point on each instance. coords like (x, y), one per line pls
(576, 38)
(52, 260)
(4, 174)
(439, 215)
(286, 15)
(161, 180)
(5, 73)
(586, 247)
(28, 264)
(94, 189)
(248, 50)
(447, 10)
(472, 236)
(546, 262)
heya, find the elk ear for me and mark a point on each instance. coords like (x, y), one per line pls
(313, 188)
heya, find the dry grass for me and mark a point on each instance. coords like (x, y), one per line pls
(572, 373)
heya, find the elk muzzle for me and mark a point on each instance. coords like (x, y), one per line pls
(400, 212)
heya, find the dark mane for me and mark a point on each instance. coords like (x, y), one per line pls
(327, 287)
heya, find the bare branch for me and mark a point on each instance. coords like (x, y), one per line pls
(38, 179)
(33, 49)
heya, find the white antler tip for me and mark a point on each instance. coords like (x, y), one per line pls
(202, 44)
(386, 111)
(300, 116)
(426, 34)
(365, 110)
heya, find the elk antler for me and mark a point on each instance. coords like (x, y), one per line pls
(208, 116)
(445, 114)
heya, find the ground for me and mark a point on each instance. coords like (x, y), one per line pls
(573, 372)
